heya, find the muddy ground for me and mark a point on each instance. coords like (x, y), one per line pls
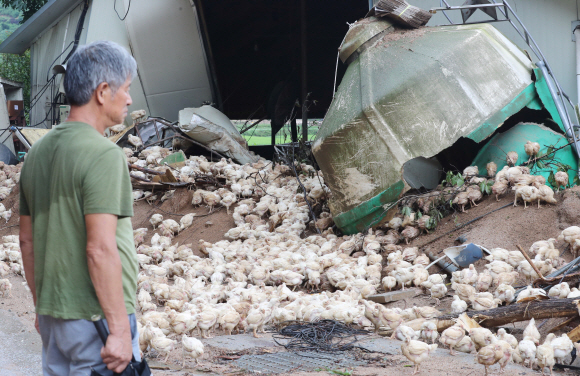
(504, 228)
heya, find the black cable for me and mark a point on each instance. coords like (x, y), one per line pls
(54, 61)
(50, 81)
(320, 336)
(118, 15)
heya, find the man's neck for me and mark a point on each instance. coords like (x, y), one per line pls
(89, 115)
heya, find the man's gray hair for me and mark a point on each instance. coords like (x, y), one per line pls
(93, 64)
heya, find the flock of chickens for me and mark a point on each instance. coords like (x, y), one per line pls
(248, 281)
(10, 257)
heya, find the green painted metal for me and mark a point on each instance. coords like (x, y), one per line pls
(175, 160)
(515, 138)
(412, 96)
(527, 96)
(546, 97)
(370, 212)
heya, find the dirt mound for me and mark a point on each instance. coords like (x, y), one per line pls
(210, 227)
(508, 227)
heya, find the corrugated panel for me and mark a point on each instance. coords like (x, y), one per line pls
(32, 135)
(167, 45)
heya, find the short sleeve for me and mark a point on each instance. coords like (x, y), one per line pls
(24, 209)
(106, 186)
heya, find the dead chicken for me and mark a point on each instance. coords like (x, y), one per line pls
(416, 352)
(512, 158)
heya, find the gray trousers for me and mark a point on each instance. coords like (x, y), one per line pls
(73, 347)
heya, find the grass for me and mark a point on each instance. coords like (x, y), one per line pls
(262, 133)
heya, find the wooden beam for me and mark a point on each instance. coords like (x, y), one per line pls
(543, 309)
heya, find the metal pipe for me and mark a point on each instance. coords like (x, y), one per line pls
(477, 6)
(371, 4)
(577, 35)
(304, 70)
(21, 137)
(559, 106)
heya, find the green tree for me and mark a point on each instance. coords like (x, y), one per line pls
(17, 68)
(27, 7)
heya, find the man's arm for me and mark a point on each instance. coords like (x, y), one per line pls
(105, 269)
(27, 250)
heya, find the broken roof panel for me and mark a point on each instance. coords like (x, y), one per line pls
(413, 93)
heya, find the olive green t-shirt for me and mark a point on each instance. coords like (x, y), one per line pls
(70, 172)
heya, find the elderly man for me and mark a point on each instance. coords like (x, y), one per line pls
(75, 225)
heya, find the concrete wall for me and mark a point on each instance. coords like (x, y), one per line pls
(549, 23)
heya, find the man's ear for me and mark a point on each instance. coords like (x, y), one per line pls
(102, 91)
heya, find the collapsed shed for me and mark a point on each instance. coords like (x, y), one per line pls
(415, 102)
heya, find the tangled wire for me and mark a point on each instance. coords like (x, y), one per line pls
(323, 335)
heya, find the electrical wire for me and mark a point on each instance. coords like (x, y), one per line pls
(320, 336)
(118, 15)
(54, 61)
(51, 81)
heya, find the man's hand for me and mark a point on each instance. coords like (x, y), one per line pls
(36, 324)
(118, 351)
(106, 271)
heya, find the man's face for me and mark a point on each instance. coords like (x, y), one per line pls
(117, 104)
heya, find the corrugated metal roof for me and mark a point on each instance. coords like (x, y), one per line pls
(46, 16)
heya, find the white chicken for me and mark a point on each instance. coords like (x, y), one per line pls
(156, 220)
(192, 347)
(416, 352)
